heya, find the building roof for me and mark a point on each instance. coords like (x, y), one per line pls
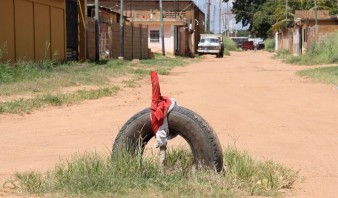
(192, 1)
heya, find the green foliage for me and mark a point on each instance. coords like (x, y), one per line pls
(28, 105)
(269, 44)
(267, 16)
(243, 33)
(229, 44)
(226, 52)
(282, 54)
(133, 175)
(40, 84)
(263, 20)
(257, 178)
(327, 75)
(24, 70)
(165, 61)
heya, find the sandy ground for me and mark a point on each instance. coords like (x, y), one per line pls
(248, 98)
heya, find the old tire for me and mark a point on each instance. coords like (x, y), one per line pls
(203, 141)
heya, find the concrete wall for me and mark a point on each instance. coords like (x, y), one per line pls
(323, 32)
(33, 29)
(168, 39)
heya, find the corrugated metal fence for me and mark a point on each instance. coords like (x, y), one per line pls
(32, 29)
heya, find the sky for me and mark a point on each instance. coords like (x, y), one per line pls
(228, 21)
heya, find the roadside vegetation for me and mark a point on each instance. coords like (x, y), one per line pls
(269, 45)
(229, 45)
(27, 86)
(268, 16)
(323, 52)
(327, 75)
(95, 175)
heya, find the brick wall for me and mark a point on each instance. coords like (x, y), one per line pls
(323, 32)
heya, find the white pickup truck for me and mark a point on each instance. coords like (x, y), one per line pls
(211, 44)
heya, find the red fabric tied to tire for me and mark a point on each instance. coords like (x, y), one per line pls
(159, 104)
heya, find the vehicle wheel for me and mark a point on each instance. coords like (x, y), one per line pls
(201, 138)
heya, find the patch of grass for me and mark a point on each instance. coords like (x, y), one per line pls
(94, 175)
(28, 105)
(327, 75)
(257, 178)
(269, 45)
(23, 77)
(165, 61)
(163, 70)
(130, 83)
(37, 80)
(142, 72)
(281, 54)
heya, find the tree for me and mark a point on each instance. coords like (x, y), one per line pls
(263, 20)
(245, 10)
(265, 17)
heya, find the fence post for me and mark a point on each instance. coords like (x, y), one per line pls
(121, 32)
(97, 31)
(140, 26)
(132, 41)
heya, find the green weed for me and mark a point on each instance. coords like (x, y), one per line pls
(269, 44)
(323, 52)
(28, 105)
(255, 177)
(94, 175)
(229, 45)
(327, 75)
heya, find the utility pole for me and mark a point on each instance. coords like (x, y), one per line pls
(286, 13)
(316, 21)
(121, 32)
(214, 19)
(220, 16)
(208, 17)
(97, 31)
(162, 28)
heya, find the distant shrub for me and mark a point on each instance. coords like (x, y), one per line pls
(229, 44)
(269, 44)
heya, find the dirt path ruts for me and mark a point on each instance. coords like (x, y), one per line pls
(248, 98)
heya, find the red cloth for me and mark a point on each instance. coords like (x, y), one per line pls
(159, 104)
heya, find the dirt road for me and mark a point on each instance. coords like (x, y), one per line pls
(248, 98)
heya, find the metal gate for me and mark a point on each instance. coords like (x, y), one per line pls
(72, 29)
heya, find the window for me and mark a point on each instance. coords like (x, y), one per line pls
(154, 36)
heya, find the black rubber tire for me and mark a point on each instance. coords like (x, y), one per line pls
(203, 141)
